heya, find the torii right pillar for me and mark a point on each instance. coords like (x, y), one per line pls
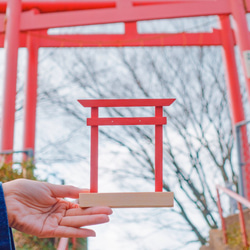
(242, 37)
(243, 41)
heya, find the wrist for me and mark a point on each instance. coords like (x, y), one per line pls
(7, 200)
(3, 207)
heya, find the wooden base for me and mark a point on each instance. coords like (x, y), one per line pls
(126, 200)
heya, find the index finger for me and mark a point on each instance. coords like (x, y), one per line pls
(62, 191)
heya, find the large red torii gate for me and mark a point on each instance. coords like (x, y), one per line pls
(26, 22)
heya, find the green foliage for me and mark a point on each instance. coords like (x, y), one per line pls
(12, 171)
(25, 242)
(79, 244)
(235, 237)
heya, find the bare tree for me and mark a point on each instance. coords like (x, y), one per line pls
(198, 140)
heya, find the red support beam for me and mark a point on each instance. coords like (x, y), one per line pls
(9, 94)
(2, 36)
(242, 225)
(94, 154)
(126, 102)
(127, 40)
(126, 121)
(131, 28)
(31, 93)
(247, 5)
(150, 2)
(235, 98)
(158, 151)
(2, 22)
(22, 39)
(123, 12)
(60, 5)
(223, 223)
(241, 34)
(233, 84)
(137, 40)
(243, 41)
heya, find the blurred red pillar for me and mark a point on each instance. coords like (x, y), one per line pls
(242, 36)
(243, 41)
(31, 93)
(233, 83)
(11, 45)
(235, 99)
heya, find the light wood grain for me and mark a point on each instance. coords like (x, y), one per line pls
(127, 200)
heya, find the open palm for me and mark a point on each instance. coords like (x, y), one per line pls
(38, 208)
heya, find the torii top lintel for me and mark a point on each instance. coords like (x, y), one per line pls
(76, 13)
(60, 5)
(126, 102)
(37, 16)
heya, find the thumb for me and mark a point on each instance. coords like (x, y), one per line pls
(63, 191)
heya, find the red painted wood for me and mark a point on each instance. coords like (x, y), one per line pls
(22, 39)
(235, 196)
(126, 40)
(223, 224)
(2, 22)
(126, 121)
(247, 5)
(30, 21)
(242, 225)
(31, 94)
(233, 83)
(114, 40)
(148, 2)
(241, 34)
(126, 102)
(9, 94)
(94, 154)
(158, 152)
(243, 41)
(59, 5)
(234, 90)
(130, 28)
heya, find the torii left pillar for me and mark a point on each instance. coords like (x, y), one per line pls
(11, 45)
(30, 93)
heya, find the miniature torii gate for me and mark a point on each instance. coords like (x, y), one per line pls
(134, 199)
(26, 23)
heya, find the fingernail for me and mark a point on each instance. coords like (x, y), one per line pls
(92, 234)
(106, 218)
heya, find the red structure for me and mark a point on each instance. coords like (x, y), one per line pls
(26, 22)
(240, 201)
(158, 121)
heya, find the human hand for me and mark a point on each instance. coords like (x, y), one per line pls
(37, 208)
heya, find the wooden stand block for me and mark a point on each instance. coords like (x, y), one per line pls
(127, 200)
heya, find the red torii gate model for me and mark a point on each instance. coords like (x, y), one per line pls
(26, 22)
(138, 199)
